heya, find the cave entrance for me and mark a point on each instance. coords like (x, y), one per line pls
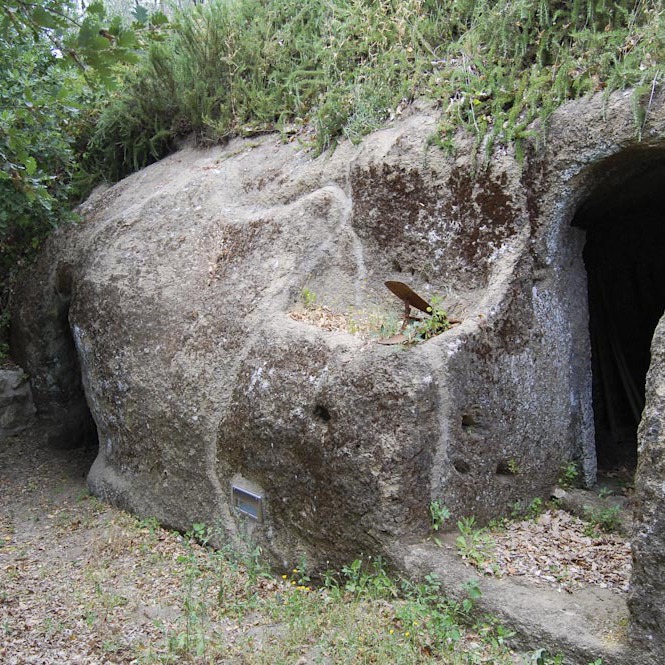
(624, 257)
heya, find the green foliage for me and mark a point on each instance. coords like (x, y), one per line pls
(200, 533)
(39, 110)
(368, 579)
(308, 298)
(438, 514)
(542, 657)
(475, 545)
(520, 60)
(530, 511)
(94, 42)
(569, 475)
(54, 63)
(343, 68)
(432, 621)
(606, 519)
(434, 325)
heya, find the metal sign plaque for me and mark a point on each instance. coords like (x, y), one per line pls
(247, 503)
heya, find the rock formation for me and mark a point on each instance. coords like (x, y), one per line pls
(17, 409)
(166, 312)
(647, 598)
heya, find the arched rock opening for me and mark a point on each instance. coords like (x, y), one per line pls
(623, 257)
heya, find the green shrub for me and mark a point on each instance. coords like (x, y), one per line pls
(39, 107)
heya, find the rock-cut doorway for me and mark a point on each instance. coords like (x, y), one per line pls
(624, 257)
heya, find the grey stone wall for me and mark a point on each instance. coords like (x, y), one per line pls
(647, 595)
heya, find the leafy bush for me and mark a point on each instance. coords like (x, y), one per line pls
(55, 64)
(38, 115)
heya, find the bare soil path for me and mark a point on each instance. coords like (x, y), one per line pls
(73, 587)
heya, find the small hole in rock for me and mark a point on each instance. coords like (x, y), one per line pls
(321, 412)
(468, 421)
(504, 468)
(396, 266)
(461, 466)
(63, 281)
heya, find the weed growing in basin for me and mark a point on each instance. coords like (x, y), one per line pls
(308, 298)
(436, 323)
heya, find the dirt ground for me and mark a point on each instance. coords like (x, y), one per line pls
(76, 585)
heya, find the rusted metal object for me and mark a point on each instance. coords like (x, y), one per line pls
(399, 338)
(409, 297)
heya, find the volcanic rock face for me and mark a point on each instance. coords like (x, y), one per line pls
(166, 312)
(647, 598)
(17, 409)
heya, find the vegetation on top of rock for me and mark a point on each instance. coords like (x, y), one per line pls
(343, 68)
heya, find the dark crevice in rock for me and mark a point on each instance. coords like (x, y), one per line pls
(461, 466)
(506, 468)
(54, 366)
(468, 422)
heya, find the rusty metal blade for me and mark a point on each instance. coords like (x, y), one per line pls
(409, 296)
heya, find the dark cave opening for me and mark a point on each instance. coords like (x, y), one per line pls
(624, 257)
